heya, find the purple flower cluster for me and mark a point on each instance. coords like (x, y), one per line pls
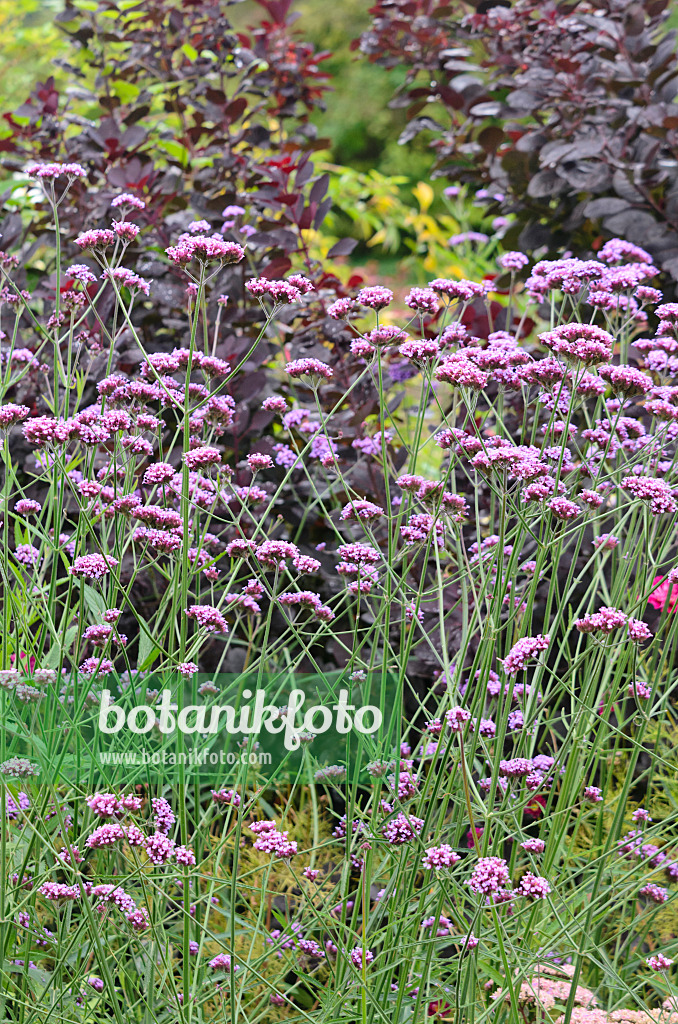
(523, 651)
(270, 840)
(439, 858)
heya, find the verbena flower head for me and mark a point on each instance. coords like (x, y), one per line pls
(223, 962)
(513, 261)
(439, 858)
(332, 773)
(96, 239)
(534, 845)
(19, 768)
(580, 343)
(11, 414)
(534, 887)
(461, 372)
(361, 509)
(659, 962)
(51, 171)
(489, 875)
(128, 202)
(312, 370)
(402, 829)
(202, 457)
(92, 567)
(375, 297)
(626, 380)
(360, 957)
(204, 249)
(208, 618)
(523, 651)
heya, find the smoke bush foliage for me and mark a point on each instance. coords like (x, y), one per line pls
(566, 107)
(488, 520)
(206, 124)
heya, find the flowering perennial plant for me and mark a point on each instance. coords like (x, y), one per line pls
(415, 502)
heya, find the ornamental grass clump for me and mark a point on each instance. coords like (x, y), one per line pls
(419, 511)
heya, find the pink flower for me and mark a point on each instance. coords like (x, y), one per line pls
(187, 668)
(26, 507)
(375, 297)
(341, 308)
(279, 291)
(54, 170)
(310, 600)
(655, 893)
(534, 845)
(580, 342)
(513, 261)
(105, 835)
(534, 887)
(440, 857)
(626, 380)
(59, 891)
(516, 767)
(202, 457)
(270, 840)
(274, 404)
(159, 847)
(402, 829)
(104, 805)
(656, 492)
(184, 855)
(457, 717)
(662, 593)
(92, 567)
(489, 875)
(11, 414)
(222, 962)
(257, 461)
(361, 957)
(226, 796)
(462, 373)
(99, 238)
(126, 199)
(125, 230)
(528, 647)
(208, 618)
(312, 368)
(659, 962)
(423, 299)
(204, 249)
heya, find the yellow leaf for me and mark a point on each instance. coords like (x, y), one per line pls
(423, 193)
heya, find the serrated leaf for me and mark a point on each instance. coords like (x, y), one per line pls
(94, 601)
(148, 651)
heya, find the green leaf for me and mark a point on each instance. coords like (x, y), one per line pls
(174, 149)
(54, 653)
(148, 652)
(125, 91)
(94, 601)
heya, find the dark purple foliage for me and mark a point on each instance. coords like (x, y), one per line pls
(192, 117)
(566, 107)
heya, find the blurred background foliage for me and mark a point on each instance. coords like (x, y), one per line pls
(382, 191)
(30, 43)
(361, 130)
